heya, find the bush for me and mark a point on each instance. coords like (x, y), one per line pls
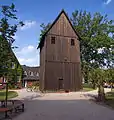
(35, 84)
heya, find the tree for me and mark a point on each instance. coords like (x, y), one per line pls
(98, 77)
(6, 29)
(92, 78)
(97, 33)
(7, 33)
(44, 28)
(109, 76)
(5, 56)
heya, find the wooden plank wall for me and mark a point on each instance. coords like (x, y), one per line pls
(69, 72)
(61, 60)
(62, 49)
(42, 67)
(62, 28)
(53, 74)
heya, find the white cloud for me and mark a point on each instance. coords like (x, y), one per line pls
(28, 24)
(29, 61)
(28, 55)
(29, 49)
(107, 2)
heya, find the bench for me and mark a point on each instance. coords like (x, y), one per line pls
(16, 106)
(6, 110)
(3, 102)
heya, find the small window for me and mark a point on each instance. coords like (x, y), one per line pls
(37, 74)
(25, 73)
(52, 40)
(60, 79)
(31, 73)
(72, 42)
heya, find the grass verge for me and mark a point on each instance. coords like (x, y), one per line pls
(110, 99)
(11, 94)
(87, 87)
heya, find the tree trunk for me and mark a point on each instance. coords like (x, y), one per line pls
(111, 86)
(101, 94)
(93, 85)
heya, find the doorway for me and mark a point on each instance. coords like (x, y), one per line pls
(61, 85)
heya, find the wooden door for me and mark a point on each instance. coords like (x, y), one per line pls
(60, 84)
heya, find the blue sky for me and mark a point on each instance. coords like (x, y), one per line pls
(35, 12)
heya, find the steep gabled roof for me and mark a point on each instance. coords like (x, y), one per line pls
(43, 37)
(34, 70)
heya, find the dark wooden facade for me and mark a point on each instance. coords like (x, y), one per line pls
(60, 57)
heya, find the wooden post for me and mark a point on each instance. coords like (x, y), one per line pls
(6, 94)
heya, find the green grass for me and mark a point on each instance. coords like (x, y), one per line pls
(110, 98)
(11, 94)
(87, 87)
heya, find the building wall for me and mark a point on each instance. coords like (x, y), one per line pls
(62, 27)
(69, 72)
(42, 67)
(62, 50)
(61, 60)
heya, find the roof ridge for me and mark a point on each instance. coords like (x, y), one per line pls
(62, 11)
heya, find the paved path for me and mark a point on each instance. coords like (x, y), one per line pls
(62, 106)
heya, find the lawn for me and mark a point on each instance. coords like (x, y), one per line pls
(110, 99)
(11, 94)
(87, 87)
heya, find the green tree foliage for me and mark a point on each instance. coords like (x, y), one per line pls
(97, 47)
(97, 33)
(98, 77)
(8, 27)
(8, 15)
(44, 28)
(109, 77)
(92, 78)
(5, 56)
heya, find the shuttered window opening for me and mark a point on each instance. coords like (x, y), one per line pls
(72, 42)
(52, 40)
